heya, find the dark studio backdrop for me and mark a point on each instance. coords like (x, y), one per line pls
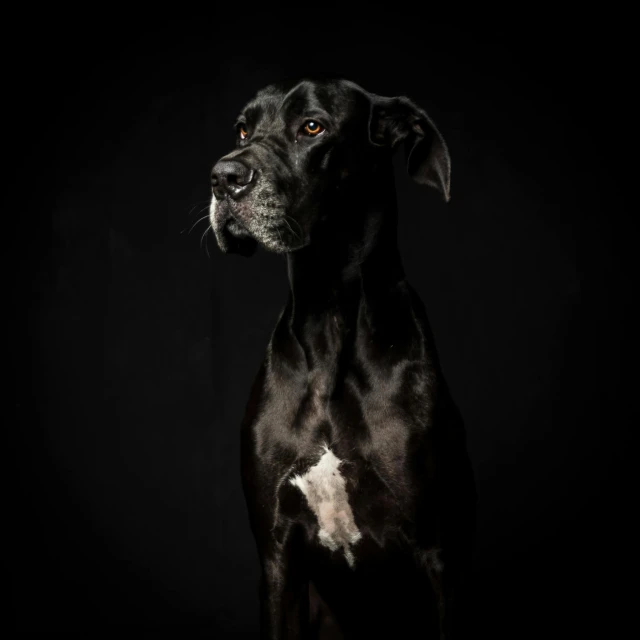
(141, 341)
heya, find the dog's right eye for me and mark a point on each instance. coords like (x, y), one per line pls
(242, 131)
(312, 128)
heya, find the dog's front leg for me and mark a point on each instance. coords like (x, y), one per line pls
(284, 588)
(432, 562)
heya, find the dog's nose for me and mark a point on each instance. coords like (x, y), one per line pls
(231, 177)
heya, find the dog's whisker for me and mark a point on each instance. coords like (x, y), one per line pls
(286, 220)
(196, 223)
(293, 233)
(197, 204)
(294, 221)
(204, 235)
(280, 235)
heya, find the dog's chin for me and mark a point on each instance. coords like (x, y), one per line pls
(239, 240)
(281, 244)
(232, 237)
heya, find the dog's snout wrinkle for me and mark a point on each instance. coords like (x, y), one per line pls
(270, 151)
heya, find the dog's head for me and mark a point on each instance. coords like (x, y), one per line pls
(300, 152)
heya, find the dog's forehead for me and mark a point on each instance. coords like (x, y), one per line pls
(306, 97)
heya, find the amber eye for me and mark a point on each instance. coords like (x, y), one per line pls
(313, 128)
(242, 131)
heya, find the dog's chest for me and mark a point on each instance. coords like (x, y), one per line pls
(325, 491)
(342, 502)
(340, 485)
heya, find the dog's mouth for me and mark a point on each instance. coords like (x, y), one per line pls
(236, 229)
(239, 228)
(231, 234)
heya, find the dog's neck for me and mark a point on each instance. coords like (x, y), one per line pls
(352, 259)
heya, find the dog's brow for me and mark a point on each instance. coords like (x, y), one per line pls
(308, 101)
(251, 113)
(292, 92)
(299, 93)
(320, 114)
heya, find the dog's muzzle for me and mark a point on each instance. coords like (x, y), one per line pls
(230, 180)
(246, 209)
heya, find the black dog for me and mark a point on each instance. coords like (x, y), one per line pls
(355, 471)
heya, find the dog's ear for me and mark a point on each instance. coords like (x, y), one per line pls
(393, 120)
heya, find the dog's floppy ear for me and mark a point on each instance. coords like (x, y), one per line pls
(393, 120)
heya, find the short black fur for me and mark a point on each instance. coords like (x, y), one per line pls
(352, 365)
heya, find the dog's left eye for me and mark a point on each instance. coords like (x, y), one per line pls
(312, 128)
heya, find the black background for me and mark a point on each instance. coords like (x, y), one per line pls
(142, 339)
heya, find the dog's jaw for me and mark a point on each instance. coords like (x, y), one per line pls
(257, 221)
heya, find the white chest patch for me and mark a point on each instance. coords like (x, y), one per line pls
(325, 491)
